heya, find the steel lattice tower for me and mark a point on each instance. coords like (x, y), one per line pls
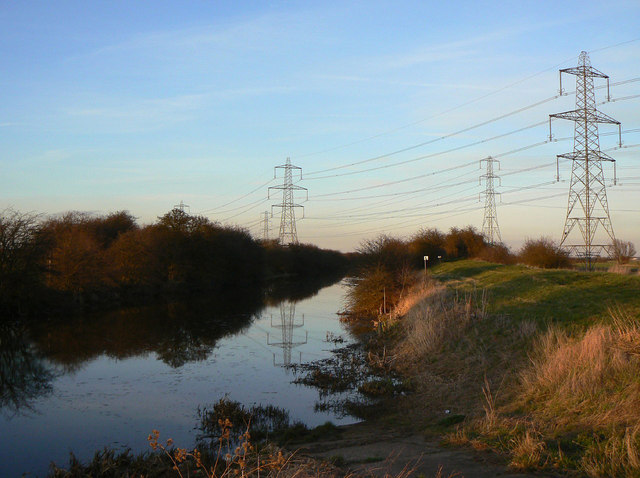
(490, 228)
(587, 205)
(265, 223)
(288, 232)
(287, 325)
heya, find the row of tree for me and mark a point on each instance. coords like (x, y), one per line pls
(49, 263)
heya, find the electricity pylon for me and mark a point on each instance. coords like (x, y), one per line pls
(265, 225)
(287, 325)
(181, 206)
(587, 205)
(490, 228)
(288, 232)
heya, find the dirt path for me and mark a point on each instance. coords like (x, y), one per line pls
(365, 450)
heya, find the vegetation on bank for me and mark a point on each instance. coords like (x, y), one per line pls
(50, 265)
(539, 365)
(513, 352)
(233, 440)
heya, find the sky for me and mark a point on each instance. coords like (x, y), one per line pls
(387, 106)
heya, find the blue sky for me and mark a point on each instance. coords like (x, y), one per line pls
(138, 105)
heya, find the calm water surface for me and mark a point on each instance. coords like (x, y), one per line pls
(110, 380)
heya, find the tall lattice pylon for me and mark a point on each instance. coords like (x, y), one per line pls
(287, 325)
(587, 206)
(288, 232)
(265, 225)
(490, 228)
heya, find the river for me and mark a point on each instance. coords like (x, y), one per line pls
(108, 380)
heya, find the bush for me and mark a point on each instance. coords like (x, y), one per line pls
(543, 253)
(498, 253)
(427, 242)
(467, 242)
(387, 252)
(385, 272)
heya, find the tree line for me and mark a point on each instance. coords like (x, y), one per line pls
(79, 260)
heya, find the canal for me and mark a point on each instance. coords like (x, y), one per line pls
(107, 381)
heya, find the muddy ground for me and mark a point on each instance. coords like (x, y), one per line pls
(365, 449)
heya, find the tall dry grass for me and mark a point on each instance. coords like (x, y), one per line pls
(588, 386)
(432, 322)
(592, 380)
(449, 345)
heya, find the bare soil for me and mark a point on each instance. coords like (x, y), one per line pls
(364, 449)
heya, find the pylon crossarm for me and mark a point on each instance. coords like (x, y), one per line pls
(600, 117)
(593, 116)
(584, 71)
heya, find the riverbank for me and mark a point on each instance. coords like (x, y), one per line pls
(540, 367)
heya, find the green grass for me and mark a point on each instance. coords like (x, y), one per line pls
(568, 297)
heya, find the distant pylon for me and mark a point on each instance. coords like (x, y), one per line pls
(181, 206)
(287, 325)
(490, 228)
(288, 232)
(587, 206)
(265, 224)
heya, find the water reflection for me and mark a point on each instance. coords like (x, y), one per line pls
(286, 338)
(24, 373)
(180, 332)
(177, 332)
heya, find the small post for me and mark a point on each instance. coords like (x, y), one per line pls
(426, 258)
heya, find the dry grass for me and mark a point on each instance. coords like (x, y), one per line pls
(527, 451)
(614, 456)
(433, 319)
(456, 353)
(565, 396)
(590, 381)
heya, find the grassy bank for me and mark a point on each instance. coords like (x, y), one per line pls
(541, 366)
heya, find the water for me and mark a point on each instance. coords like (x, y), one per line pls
(109, 380)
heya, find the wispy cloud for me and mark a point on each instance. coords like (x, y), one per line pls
(463, 48)
(260, 33)
(385, 81)
(158, 109)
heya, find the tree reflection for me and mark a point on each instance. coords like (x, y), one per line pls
(33, 354)
(178, 332)
(24, 374)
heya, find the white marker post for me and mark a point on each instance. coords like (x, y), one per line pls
(426, 258)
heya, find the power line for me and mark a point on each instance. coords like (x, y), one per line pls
(455, 133)
(238, 198)
(467, 103)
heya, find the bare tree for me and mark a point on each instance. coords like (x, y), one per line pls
(623, 251)
(21, 253)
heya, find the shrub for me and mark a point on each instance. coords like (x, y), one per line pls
(427, 242)
(387, 252)
(465, 242)
(543, 253)
(498, 253)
